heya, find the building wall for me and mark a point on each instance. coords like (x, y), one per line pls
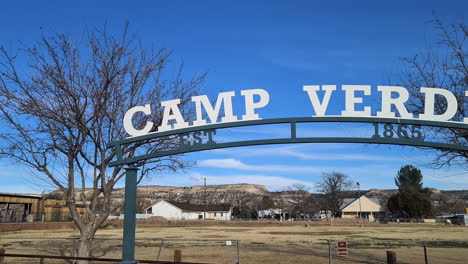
(166, 210)
(270, 212)
(225, 215)
(369, 215)
(369, 209)
(169, 211)
(191, 215)
(220, 215)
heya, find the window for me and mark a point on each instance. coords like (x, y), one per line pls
(215, 214)
(221, 214)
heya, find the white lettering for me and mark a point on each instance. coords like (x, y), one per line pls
(223, 98)
(393, 100)
(250, 106)
(429, 112)
(172, 112)
(128, 117)
(352, 100)
(388, 101)
(319, 108)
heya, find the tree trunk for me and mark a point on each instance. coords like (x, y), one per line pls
(84, 247)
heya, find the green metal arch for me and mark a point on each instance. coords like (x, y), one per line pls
(292, 139)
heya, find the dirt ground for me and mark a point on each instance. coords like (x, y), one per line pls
(260, 244)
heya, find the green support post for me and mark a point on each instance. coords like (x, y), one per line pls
(128, 251)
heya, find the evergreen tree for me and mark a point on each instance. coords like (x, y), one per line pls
(267, 203)
(412, 200)
(411, 204)
(409, 178)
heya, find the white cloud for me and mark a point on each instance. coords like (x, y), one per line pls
(371, 175)
(361, 172)
(238, 165)
(294, 151)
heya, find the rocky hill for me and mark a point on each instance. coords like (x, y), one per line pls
(252, 194)
(233, 194)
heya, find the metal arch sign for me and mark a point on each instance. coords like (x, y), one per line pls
(388, 128)
(198, 135)
(386, 131)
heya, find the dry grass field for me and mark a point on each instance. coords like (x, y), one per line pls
(260, 244)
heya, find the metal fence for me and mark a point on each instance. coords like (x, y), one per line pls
(193, 250)
(229, 251)
(461, 220)
(447, 220)
(407, 251)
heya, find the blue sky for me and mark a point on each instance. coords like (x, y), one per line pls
(278, 46)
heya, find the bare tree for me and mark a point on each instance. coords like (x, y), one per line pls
(142, 203)
(314, 203)
(280, 202)
(446, 68)
(333, 185)
(64, 101)
(300, 198)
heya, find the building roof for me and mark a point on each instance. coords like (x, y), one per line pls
(20, 195)
(201, 207)
(367, 204)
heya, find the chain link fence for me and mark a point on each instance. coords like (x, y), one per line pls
(407, 251)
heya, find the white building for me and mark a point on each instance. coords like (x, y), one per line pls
(187, 211)
(369, 208)
(270, 213)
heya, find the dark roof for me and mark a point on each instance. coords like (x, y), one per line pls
(353, 194)
(19, 195)
(201, 207)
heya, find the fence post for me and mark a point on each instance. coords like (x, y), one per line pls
(329, 252)
(425, 254)
(177, 255)
(391, 257)
(161, 245)
(238, 252)
(2, 258)
(73, 247)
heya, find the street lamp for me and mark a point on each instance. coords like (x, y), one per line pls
(204, 201)
(359, 193)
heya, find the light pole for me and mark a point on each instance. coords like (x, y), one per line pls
(204, 201)
(359, 193)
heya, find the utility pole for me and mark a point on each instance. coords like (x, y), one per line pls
(204, 201)
(359, 193)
